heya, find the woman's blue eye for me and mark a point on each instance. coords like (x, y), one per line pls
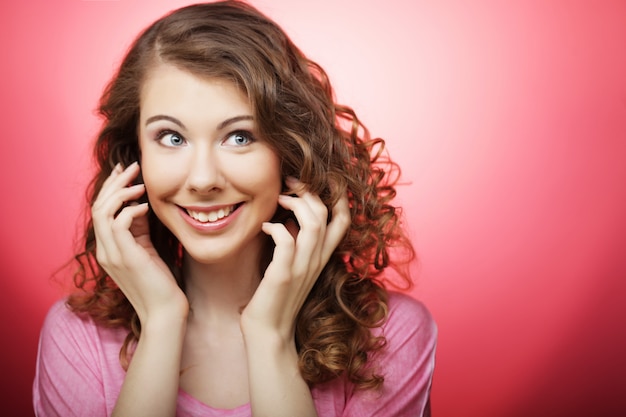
(169, 138)
(238, 139)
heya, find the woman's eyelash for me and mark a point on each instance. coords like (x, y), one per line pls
(249, 136)
(234, 137)
(165, 132)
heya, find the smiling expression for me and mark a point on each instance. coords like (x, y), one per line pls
(210, 180)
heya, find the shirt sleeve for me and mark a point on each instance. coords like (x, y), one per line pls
(68, 381)
(407, 364)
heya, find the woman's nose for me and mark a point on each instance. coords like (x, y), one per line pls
(205, 174)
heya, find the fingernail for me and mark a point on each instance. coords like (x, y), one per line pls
(291, 180)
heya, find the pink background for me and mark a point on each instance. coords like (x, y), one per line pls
(508, 118)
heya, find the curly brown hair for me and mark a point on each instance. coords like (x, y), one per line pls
(317, 140)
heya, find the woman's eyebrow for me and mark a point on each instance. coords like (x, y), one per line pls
(164, 117)
(174, 120)
(234, 120)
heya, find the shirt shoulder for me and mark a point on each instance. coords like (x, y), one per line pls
(406, 362)
(61, 316)
(77, 360)
(409, 318)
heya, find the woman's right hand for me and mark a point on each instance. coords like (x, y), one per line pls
(125, 251)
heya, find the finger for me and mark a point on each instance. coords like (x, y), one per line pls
(123, 223)
(311, 234)
(312, 214)
(109, 207)
(300, 189)
(338, 226)
(118, 179)
(314, 205)
(117, 169)
(280, 266)
(119, 245)
(103, 216)
(140, 226)
(308, 209)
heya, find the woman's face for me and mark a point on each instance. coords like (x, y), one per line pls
(209, 178)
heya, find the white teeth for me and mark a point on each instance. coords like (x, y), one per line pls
(211, 216)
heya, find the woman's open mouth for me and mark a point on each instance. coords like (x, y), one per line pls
(213, 215)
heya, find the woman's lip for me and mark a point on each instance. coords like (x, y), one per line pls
(210, 226)
(207, 209)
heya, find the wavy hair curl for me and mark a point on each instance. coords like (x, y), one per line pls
(317, 140)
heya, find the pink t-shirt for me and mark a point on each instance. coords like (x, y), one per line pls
(79, 374)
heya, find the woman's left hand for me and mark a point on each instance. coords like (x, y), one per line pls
(299, 257)
(276, 386)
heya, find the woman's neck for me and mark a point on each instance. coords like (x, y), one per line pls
(219, 292)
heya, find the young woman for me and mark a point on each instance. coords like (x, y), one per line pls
(241, 223)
